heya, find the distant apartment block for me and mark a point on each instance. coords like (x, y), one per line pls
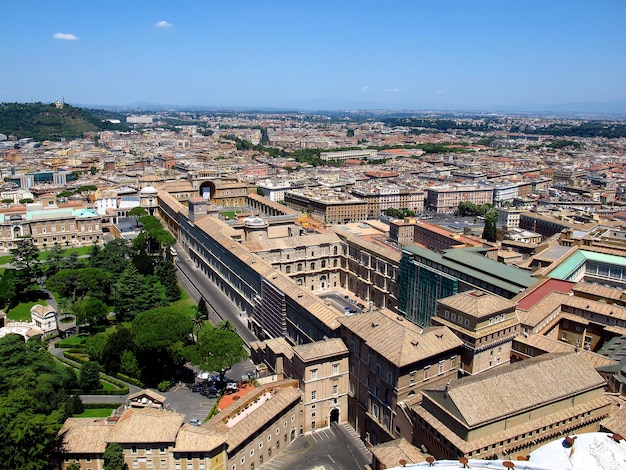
(446, 199)
(274, 190)
(38, 178)
(390, 196)
(143, 119)
(349, 155)
(329, 206)
(433, 237)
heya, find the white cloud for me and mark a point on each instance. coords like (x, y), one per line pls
(65, 36)
(164, 24)
(367, 88)
(393, 90)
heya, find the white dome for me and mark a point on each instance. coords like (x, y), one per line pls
(149, 190)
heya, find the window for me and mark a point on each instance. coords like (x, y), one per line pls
(251, 452)
(189, 466)
(313, 415)
(441, 364)
(313, 374)
(312, 424)
(426, 372)
(314, 395)
(335, 389)
(261, 445)
(163, 463)
(287, 269)
(335, 369)
(161, 450)
(243, 460)
(133, 450)
(446, 314)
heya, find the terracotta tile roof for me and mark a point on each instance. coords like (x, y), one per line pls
(151, 394)
(146, 425)
(398, 340)
(478, 304)
(605, 292)
(551, 345)
(391, 453)
(255, 421)
(197, 439)
(505, 391)
(320, 349)
(85, 435)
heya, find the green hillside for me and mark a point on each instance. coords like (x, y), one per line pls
(47, 122)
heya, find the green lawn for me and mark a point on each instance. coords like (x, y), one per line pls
(6, 259)
(185, 305)
(22, 311)
(73, 341)
(95, 413)
(108, 385)
(231, 215)
(80, 251)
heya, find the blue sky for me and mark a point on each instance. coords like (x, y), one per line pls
(314, 54)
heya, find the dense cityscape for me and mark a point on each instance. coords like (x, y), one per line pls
(237, 289)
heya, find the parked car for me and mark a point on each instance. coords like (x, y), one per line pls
(231, 387)
(195, 421)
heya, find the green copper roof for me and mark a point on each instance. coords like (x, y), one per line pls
(474, 265)
(579, 258)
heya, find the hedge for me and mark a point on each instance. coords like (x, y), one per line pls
(91, 406)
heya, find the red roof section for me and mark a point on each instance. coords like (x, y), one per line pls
(543, 290)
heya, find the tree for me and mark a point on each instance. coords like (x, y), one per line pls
(166, 273)
(216, 349)
(95, 346)
(260, 191)
(160, 335)
(118, 343)
(89, 376)
(227, 325)
(73, 466)
(143, 262)
(137, 212)
(26, 262)
(113, 257)
(114, 457)
(202, 308)
(33, 403)
(76, 284)
(55, 260)
(134, 294)
(90, 311)
(8, 292)
(490, 232)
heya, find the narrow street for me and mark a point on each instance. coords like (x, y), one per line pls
(219, 305)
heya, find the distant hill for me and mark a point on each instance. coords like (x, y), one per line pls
(48, 122)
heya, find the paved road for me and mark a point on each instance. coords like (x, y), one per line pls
(333, 448)
(220, 306)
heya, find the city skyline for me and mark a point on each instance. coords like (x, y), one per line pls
(351, 55)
